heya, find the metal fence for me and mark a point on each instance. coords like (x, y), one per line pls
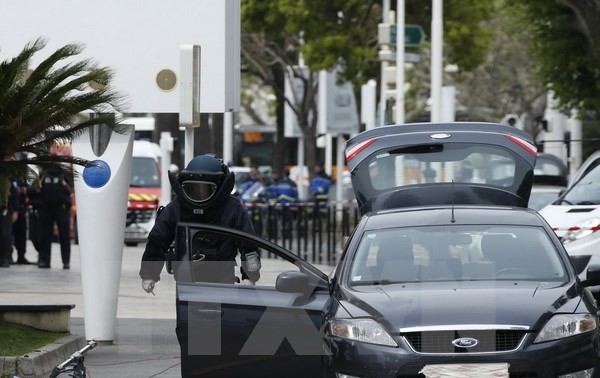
(313, 231)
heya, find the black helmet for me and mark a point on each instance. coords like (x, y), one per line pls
(201, 178)
(204, 182)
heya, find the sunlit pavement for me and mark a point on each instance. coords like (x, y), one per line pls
(145, 344)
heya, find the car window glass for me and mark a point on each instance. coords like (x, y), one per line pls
(214, 257)
(546, 167)
(459, 163)
(456, 253)
(144, 172)
(586, 191)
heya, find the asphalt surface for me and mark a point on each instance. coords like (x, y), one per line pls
(145, 344)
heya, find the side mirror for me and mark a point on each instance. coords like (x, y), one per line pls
(592, 276)
(292, 282)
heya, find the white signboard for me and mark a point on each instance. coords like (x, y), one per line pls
(291, 127)
(140, 41)
(337, 106)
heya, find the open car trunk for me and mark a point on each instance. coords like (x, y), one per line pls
(441, 164)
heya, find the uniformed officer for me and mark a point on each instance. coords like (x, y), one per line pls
(55, 197)
(8, 215)
(320, 185)
(203, 195)
(283, 189)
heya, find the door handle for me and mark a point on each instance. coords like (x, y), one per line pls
(207, 313)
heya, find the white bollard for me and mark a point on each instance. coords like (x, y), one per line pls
(101, 193)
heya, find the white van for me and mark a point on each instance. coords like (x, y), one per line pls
(144, 191)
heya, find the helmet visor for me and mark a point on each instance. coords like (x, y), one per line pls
(199, 191)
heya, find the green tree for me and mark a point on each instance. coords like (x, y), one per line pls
(564, 40)
(342, 34)
(334, 33)
(565, 43)
(505, 82)
(43, 107)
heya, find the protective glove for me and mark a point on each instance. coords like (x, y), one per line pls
(148, 286)
(247, 282)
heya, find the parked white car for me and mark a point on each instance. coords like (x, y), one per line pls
(575, 215)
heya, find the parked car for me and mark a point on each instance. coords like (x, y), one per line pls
(550, 179)
(575, 216)
(447, 270)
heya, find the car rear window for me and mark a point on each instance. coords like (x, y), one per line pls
(456, 253)
(458, 162)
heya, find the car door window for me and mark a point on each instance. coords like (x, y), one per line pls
(227, 329)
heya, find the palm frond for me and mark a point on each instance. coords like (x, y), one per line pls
(46, 109)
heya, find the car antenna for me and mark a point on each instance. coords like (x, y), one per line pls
(452, 220)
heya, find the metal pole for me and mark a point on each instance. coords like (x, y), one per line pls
(436, 59)
(166, 146)
(368, 103)
(384, 65)
(228, 137)
(574, 126)
(400, 62)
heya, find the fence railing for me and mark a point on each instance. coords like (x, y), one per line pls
(312, 231)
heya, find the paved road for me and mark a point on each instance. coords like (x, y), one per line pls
(145, 344)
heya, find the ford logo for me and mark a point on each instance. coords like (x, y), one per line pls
(465, 342)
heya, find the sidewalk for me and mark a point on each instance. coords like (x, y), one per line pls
(145, 344)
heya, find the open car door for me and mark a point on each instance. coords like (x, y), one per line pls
(232, 330)
(441, 164)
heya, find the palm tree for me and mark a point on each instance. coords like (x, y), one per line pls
(49, 105)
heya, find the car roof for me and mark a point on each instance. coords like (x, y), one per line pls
(145, 148)
(446, 145)
(452, 215)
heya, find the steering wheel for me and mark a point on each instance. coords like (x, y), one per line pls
(512, 270)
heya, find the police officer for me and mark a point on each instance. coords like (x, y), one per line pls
(55, 196)
(203, 195)
(19, 229)
(320, 185)
(282, 188)
(8, 215)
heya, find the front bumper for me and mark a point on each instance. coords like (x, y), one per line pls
(137, 232)
(546, 360)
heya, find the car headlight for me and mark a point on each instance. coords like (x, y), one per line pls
(364, 330)
(564, 325)
(582, 229)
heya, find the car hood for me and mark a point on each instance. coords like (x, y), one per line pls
(433, 164)
(563, 217)
(466, 303)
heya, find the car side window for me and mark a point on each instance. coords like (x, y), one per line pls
(215, 256)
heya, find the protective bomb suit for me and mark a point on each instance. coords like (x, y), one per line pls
(203, 195)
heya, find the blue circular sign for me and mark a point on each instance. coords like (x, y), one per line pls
(96, 174)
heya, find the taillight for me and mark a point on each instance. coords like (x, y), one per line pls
(523, 143)
(356, 149)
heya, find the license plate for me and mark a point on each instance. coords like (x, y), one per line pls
(466, 370)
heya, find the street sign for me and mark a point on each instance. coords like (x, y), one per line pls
(390, 56)
(413, 35)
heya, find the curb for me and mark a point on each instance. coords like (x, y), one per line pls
(41, 361)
